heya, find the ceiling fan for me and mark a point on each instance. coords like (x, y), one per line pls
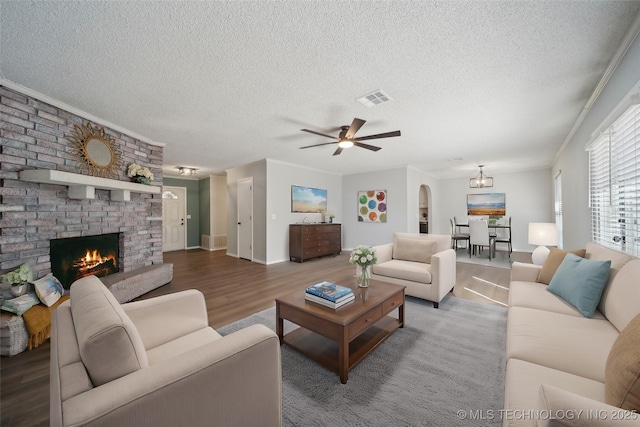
(346, 137)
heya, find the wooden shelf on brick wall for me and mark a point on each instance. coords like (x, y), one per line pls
(84, 186)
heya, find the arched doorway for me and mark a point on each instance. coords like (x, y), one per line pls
(423, 209)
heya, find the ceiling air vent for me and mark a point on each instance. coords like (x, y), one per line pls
(374, 98)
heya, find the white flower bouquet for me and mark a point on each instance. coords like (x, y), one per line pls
(139, 173)
(363, 256)
(22, 275)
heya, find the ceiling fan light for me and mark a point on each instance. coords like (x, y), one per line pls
(345, 143)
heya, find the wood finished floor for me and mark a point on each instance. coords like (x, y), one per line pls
(233, 288)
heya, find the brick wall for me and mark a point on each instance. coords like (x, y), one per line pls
(34, 136)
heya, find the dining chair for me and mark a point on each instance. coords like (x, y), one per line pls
(456, 224)
(506, 238)
(479, 236)
(457, 237)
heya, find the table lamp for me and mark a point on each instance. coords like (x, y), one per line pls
(542, 234)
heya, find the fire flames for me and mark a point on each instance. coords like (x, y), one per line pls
(93, 260)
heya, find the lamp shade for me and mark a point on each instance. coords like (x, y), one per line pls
(543, 234)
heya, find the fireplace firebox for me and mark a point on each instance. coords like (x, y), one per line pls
(76, 257)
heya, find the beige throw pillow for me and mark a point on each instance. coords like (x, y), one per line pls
(622, 371)
(553, 261)
(109, 343)
(417, 250)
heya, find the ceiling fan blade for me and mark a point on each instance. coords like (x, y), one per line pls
(318, 133)
(318, 145)
(367, 146)
(356, 124)
(378, 136)
(338, 151)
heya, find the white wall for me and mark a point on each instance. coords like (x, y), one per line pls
(573, 161)
(529, 198)
(356, 233)
(280, 177)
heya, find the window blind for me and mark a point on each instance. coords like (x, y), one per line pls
(558, 207)
(614, 184)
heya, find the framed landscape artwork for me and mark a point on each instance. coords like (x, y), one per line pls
(308, 199)
(489, 204)
(372, 206)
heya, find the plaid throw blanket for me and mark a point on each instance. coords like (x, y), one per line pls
(38, 322)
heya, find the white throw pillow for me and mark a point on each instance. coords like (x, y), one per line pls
(48, 289)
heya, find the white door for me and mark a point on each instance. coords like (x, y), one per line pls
(174, 213)
(245, 218)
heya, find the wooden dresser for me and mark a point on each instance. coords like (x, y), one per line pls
(314, 240)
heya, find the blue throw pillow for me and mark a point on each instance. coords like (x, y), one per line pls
(580, 282)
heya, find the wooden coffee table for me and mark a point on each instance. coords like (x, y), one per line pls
(339, 339)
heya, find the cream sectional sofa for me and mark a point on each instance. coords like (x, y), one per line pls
(156, 362)
(424, 263)
(556, 357)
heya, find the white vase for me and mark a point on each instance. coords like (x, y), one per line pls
(17, 290)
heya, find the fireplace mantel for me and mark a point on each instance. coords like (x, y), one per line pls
(84, 186)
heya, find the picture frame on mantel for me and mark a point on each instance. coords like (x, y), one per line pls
(372, 206)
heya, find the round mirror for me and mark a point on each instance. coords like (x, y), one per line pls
(96, 151)
(99, 152)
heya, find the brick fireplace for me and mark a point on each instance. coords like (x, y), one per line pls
(76, 257)
(34, 136)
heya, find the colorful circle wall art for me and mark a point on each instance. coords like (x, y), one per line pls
(372, 206)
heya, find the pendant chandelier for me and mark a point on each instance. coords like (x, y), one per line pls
(481, 181)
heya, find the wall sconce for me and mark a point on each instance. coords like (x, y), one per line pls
(187, 171)
(543, 234)
(481, 181)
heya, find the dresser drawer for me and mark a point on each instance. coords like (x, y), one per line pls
(316, 244)
(392, 303)
(331, 229)
(312, 252)
(312, 229)
(365, 321)
(314, 237)
(335, 237)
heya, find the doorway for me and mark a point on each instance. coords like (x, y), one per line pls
(174, 212)
(245, 218)
(423, 209)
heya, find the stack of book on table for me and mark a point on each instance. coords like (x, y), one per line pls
(329, 294)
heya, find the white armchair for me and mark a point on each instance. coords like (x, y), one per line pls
(157, 362)
(424, 263)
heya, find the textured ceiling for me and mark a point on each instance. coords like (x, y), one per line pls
(224, 84)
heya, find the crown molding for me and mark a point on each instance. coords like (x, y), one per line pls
(73, 110)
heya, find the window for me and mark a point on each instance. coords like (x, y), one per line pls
(614, 181)
(557, 206)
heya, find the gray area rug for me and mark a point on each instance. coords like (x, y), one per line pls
(443, 361)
